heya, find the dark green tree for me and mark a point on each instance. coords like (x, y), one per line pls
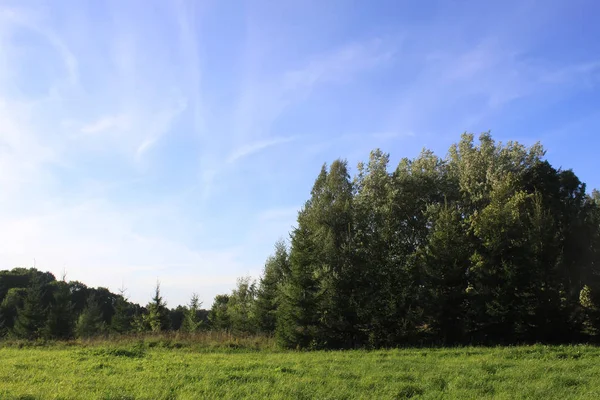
(445, 262)
(61, 320)
(90, 322)
(12, 302)
(371, 250)
(267, 294)
(218, 315)
(297, 314)
(32, 316)
(336, 272)
(123, 316)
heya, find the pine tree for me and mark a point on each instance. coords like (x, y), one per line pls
(445, 262)
(31, 318)
(297, 312)
(267, 295)
(336, 272)
(121, 320)
(371, 248)
(157, 317)
(218, 315)
(90, 321)
(191, 322)
(60, 324)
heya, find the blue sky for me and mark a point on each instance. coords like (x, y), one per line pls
(176, 140)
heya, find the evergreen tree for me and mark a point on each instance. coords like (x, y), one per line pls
(121, 320)
(157, 318)
(333, 234)
(267, 295)
(218, 315)
(60, 324)
(90, 322)
(297, 314)
(371, 250)
(445, 262)
(191, 320)
(31, 317)
(177, 317)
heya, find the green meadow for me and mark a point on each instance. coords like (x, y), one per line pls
(166, 369)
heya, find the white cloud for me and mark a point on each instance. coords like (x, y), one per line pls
(263, 99)
(109, 122)
(156, 126)
(17, 19)
(255, 147)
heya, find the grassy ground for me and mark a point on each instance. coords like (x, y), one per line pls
(173, 370)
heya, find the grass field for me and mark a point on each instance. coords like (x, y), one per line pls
(170, 370)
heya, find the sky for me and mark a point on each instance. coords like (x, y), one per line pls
(175, 141)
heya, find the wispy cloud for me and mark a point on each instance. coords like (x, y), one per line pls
(160, 124)
(263, 100)
(256, 147)
(117, 122)
(18, 18)
(481, 79)
(187, 16)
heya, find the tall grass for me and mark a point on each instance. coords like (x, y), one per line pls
(208, 341)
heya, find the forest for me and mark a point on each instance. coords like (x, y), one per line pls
(490, 244)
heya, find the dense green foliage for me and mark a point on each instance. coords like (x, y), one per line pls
(490, 244)
(37, 306)
(181, 370)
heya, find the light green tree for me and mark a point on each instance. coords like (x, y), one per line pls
(191, 321)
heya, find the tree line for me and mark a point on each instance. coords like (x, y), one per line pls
(490, 244)
(35, 305)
